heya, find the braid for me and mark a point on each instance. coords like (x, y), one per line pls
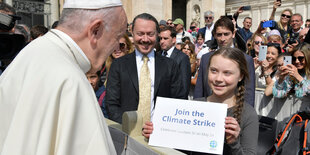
(239, 101)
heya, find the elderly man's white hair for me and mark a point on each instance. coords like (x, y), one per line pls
(75, 20)
(208, 13)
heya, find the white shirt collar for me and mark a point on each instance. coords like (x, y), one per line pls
(140, 55)
(232, 46)
(169, 52)
(211, 28)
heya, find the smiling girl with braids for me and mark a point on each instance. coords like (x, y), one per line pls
(227, 75)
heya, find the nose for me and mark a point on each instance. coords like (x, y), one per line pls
(145, 38)
(222, 38)
(219, 78)
(268, 54)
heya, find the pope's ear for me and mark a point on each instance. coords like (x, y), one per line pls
(95, 30)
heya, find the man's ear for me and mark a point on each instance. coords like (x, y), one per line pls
(95, 31)
(174, 40)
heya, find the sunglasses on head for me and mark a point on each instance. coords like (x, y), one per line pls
(287, 16)
(121, 46)
(208, 17)
(300, 58)
(258, 42)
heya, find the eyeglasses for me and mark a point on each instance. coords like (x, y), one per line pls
(300, 58)
(287, 16)
(208, 17)
(122, 46)
(258, 42)
(169, 23)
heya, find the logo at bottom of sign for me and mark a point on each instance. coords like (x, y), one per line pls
(213, 144)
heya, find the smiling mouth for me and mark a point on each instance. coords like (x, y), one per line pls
(218, 86)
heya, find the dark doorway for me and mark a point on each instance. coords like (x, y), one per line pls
(179, 10)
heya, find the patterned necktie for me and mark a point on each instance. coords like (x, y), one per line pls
(144, 107)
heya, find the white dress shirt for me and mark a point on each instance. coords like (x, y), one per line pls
(169, 52)
(151, 65)
(208, 33)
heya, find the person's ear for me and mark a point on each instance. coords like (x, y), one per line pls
(174, 40)
(241, 78)
(95, 31)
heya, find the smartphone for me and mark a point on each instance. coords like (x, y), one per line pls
(287, 60)
(280, 2)
(269, 23)
(244, 8)
(262, 53)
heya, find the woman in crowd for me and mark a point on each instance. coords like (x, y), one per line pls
(189, 49)
(227, 76)
(255, 42)
(199, 42)
(267, 68)
(265, 76)
(125, 47)
(295, 78)
(283, 25)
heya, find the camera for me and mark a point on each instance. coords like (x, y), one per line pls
(293, 38)
(7, 22)
(10, 43)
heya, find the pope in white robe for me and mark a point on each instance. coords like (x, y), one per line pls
(65, 114)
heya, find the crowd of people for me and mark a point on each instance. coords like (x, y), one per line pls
(220, 62)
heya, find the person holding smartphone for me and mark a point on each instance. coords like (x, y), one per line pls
(295, 78)
(283, 25)
(267, 68)
(247, 24)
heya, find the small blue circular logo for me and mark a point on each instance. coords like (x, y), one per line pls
(213, 144)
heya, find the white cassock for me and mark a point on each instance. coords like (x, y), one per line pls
(47, 105)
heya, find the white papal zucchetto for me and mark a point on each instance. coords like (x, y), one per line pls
(91, 4)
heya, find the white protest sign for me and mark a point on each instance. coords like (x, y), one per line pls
(189, 125)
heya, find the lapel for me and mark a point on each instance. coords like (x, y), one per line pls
(174, 53)
(158, 71)
(132, 70)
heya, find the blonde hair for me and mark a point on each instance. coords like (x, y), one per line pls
(289, 21)
(305, 49)
(130, 49)
(252, 39)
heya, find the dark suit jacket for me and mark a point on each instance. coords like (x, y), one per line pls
(203, 31)
(182, 61)
(202, 88)
(123, 85)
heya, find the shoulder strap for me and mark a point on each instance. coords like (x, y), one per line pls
(282, 134)
(305, 149)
